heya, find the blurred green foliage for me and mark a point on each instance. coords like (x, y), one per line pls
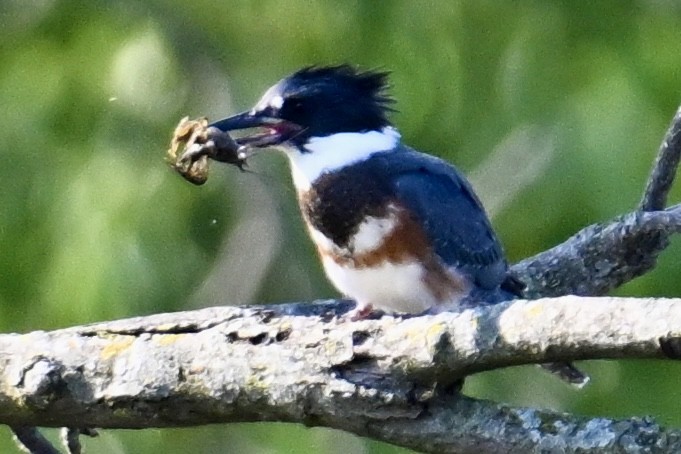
(95, 226)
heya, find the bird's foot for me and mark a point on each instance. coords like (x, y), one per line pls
(360, 312)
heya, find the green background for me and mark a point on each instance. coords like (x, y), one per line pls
(554, 108)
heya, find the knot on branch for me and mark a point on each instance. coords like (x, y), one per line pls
(42, 382)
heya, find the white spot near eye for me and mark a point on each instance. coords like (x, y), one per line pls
(271, 98)
(277, 102)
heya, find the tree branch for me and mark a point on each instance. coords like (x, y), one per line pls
(600, 257)
(371, 377)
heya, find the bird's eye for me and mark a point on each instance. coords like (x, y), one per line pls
(293, 109)
(294, 104)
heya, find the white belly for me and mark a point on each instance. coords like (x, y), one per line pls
(388, 287)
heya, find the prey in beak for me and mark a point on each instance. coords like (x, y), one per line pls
(195, 142)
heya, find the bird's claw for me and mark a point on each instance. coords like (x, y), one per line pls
(361, 312)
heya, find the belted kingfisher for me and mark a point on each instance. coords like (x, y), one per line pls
(397, 230)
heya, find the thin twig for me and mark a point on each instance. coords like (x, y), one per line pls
(664, 170)
(32, 441)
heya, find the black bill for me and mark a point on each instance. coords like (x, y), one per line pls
(273, 131)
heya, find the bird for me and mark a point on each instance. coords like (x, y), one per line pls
(397, 230)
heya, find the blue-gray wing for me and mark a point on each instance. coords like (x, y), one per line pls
(452, 216)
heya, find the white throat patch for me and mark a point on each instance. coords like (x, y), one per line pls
(326, 154)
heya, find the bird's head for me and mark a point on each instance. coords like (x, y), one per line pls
(315, 102)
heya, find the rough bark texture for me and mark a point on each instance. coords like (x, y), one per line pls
(374, 378)
(600, 257)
